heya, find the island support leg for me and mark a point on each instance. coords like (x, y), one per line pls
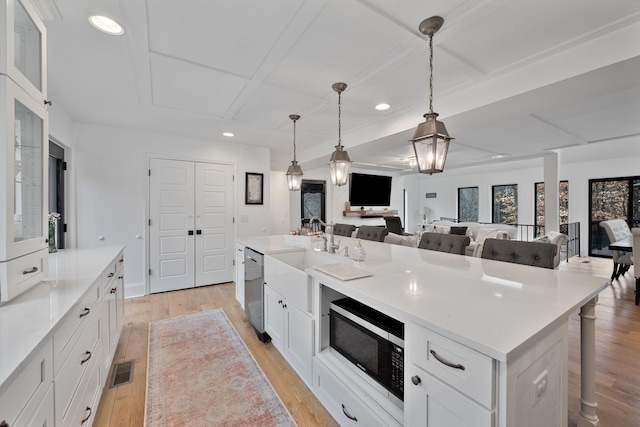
(587, 416)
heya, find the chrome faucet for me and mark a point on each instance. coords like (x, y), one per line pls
(332, 246)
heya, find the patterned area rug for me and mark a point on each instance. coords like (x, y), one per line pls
(200, 373)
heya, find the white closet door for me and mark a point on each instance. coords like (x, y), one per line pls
(214, 224)
(171, 246)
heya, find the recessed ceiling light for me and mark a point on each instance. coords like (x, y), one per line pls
(228, 134)
(497, 156)
(106, 25)
(383, 106)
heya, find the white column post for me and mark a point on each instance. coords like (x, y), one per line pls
(551, 192)
(588, 405)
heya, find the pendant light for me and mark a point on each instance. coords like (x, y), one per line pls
(294, 173)
(340, 162)
(431, 140)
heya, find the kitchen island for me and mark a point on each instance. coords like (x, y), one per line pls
(513, 316)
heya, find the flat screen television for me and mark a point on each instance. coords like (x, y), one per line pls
(369, 190)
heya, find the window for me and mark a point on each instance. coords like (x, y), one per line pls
(504, 206)
(468, 204)
(611, 198)
(563, 205)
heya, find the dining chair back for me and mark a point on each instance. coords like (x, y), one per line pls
(345, 230)
(536, 254)
(618, 229)
(394, 224)
(371, 232)
(449, 243)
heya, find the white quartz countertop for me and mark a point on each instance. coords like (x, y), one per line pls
(491, 306)
(268, 244)
(29, 318)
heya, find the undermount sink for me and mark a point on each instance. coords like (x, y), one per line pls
(302, 260)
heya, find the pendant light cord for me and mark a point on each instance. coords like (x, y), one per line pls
(294, 140)
(339, 116)
(431, 73)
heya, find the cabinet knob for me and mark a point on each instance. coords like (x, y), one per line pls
(416, 380)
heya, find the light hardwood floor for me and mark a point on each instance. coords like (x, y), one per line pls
(617, 358)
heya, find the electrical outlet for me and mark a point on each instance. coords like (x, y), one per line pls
(540, 387)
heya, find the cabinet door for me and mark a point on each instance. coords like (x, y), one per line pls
(23, 48)
(24, 222)
(274, 317)
(431, 403)
(299, 340)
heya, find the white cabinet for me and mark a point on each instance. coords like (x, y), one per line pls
(291, 331)
(112, 309)
(23, 47)
(446, 384)
(240, 273)
(23, 221)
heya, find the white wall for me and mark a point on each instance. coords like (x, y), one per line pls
(112, 186)
(279, 203)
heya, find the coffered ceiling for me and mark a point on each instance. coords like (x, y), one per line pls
(512, 78)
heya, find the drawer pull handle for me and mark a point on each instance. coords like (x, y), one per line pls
(347, 414)
(416, 380)
(121, 260)
(31, 270)
(88, 353)
(84, 420)
(120, 277)
(446, 362)
(110, 275)
(114, 290)
(85, 312)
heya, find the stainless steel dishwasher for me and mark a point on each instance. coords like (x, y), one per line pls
(254, 291)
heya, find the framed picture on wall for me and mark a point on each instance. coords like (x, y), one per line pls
(254, 186)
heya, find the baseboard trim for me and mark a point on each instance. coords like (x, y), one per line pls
(132, 290)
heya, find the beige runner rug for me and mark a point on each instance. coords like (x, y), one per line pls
(200, 373)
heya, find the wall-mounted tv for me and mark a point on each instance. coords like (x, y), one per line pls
(369, 190)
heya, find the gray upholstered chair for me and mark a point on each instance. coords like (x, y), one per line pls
(394, 224)
(370, 232)
(343, 229)
(536, 254)
(618, 229)
(449, 243)
(635, 244)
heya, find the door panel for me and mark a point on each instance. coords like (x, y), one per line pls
(214, 218)
(171, 202)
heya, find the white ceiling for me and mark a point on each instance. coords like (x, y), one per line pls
(511, 77)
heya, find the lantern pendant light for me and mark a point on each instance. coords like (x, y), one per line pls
(431, 140)
(294, 173)
(340, 162)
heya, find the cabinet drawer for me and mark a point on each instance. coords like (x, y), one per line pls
(66, 334)
(459, 366)
(433, 403)
(29, 386)
(83, 354)
(84, 404)
(37, 412)
(110, 273)
(20, 274)
(342, 403)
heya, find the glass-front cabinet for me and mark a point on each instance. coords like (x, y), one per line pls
(24, 124)
(23, 49)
